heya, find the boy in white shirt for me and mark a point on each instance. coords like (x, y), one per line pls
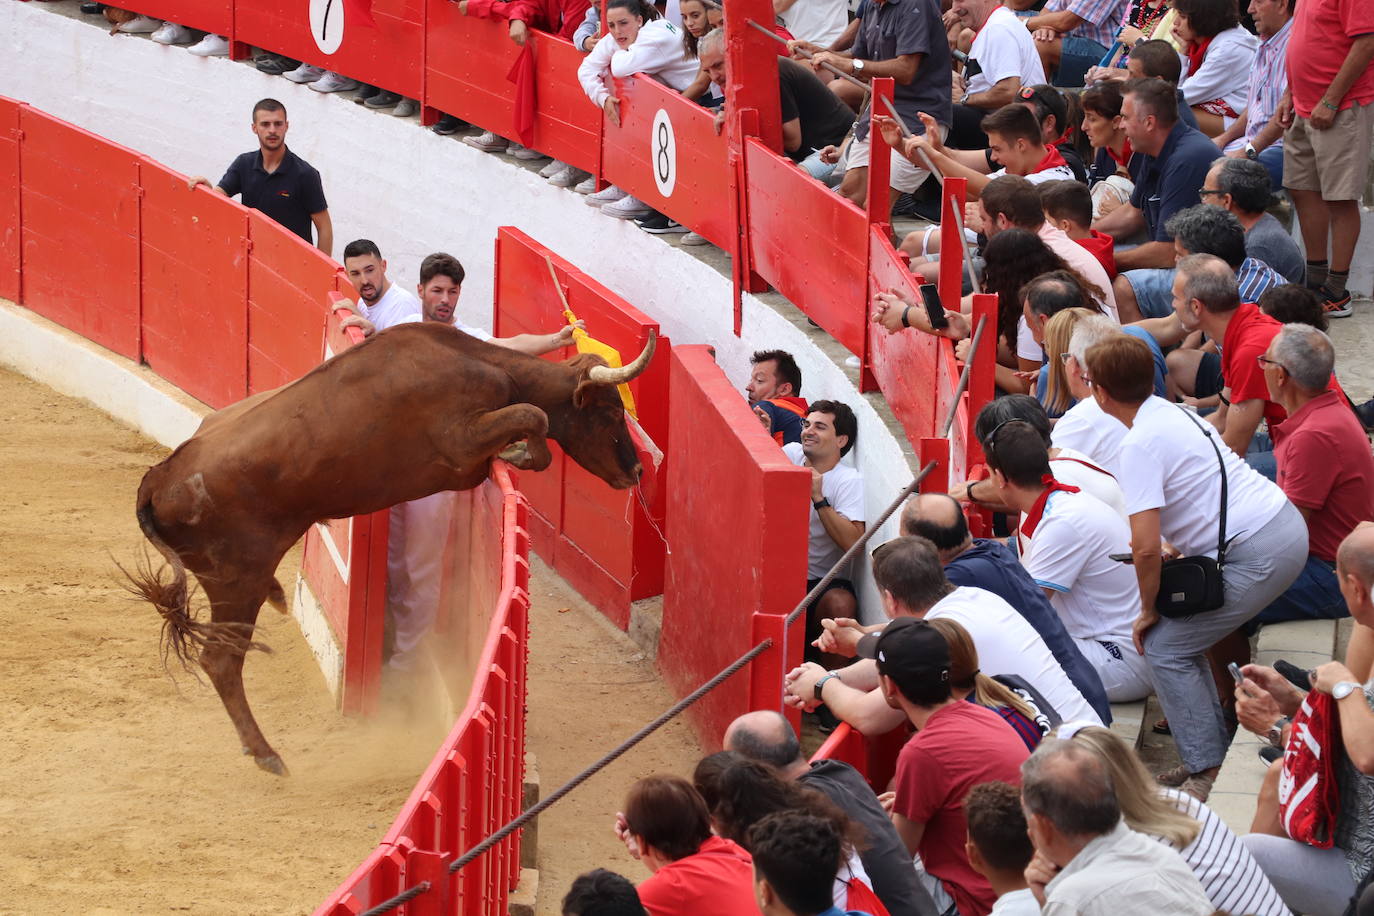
(998, 846)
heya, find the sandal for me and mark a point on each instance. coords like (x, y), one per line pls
(1198, 785)
(1161, 727)
(1175, 777)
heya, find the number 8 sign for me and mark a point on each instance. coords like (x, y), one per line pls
(663, 153)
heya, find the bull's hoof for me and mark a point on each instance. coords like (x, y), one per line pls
(272, 765)
(517, 454)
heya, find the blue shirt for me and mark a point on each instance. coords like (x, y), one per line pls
(992, 566)
(1255, 278)
(1169, 182)
(1160, 368)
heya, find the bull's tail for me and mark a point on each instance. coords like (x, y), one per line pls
(183, 636)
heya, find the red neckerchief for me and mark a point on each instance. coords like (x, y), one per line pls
(1052, 159)
(1038, 510)
(1196, 52)
(1125, 156)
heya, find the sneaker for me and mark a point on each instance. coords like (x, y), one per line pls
(140, 25)
(488, 142)
(516, 151)
(406, 108)
(305, 73)
(171, 34)
(586, 185)
(383, 99)
(693, 238)
(334, 82)
(92, 9)
(1336, 306)
(566, 177)
(661, 224)
(449, 125)
(626, 208)
(275, 64)
(364, 93)
(552, 169)
(211, 46)
(607, 195)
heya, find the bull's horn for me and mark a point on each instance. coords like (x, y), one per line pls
(605, 375)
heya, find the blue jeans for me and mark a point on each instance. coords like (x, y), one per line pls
(1076, 55)
(1271, 157)
(1154, 290)
(821, 171)
(1260, 456)
(1314, 595)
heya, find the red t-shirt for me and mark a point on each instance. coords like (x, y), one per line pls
(1247, 337)
(1102, 247)
(1325, 466)
(961, 746)
(718, 878)
(1321, 38)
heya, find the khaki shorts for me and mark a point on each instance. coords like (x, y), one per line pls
(905, 176)
(1334, 161)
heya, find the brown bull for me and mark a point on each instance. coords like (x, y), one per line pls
(415, 410)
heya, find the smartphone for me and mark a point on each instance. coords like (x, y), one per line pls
(1235, 673)
(930, 295)
(1121, 557)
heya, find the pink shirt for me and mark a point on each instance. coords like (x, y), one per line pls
(1081, 260)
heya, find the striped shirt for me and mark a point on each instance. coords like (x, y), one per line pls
(1101, 18)
(1255, 278)
(1268, 81)
(1230, 876)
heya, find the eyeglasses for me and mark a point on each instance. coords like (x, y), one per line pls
(1266, 361)
(990, 440)
(1064, 357)
(1206, 191)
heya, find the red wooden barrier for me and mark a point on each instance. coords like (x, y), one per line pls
(603, 541)
(80, 203)
(388, 53)
(10, 247)
(737, 540)
(194, 246)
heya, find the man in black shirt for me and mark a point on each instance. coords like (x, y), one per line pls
(768, 737)
(277, 181)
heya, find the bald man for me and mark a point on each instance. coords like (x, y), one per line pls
(989, 564)
(1309, 879)
(768, 737)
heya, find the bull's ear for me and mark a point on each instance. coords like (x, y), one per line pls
(583, 391)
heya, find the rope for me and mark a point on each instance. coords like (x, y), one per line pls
(399, 900)
(809, 56)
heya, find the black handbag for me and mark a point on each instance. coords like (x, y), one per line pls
(1192, 585)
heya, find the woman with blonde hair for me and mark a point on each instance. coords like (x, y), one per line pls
(1229, 875)
(1007, 695)
(1053, 388)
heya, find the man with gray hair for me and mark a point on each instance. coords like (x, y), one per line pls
(1325, 467)
(766, 735)
(1242, 186)
(1087, 861)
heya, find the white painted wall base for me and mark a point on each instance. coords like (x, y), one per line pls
(412, 192)
(318, 635)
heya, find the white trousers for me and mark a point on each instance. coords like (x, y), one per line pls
(414, 570)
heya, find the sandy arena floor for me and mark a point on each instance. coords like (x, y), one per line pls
(124, 791)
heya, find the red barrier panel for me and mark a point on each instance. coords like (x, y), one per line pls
(287, 279)
(473, 786)
(388, 52)
(667, 153)
(80, 231)
(10, 247)
(789, 212)
(737, 540)
(603, 541)
(195, 287)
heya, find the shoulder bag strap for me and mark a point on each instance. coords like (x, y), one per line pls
(1221, 528)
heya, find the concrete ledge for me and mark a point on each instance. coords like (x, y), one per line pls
(319, 636)
(525, 897)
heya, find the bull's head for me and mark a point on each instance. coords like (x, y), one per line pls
(595, 434)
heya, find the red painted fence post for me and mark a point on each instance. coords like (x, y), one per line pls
(879, 156)
(952, 197)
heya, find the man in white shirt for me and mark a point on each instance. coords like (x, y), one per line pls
(1001, 60)
(1087, 861)
(1072, 539)
(998, 846)
(381, 302)
(912, 583)
(837, 507)
(1084, 428)
(817, 21)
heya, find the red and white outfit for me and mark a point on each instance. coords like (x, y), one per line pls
(1218, 74)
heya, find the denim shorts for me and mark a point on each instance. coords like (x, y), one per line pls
(1154, 290)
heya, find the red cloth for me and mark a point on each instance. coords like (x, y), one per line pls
(1317, 47)
(1053, 158)
(1325, 466)
(1309, 796)
(1126, 151)
(1102, 247)
(718, 878)
(559, 17)
(1037, 509)
(1197, 52)
(962, 745)
(861, 899)
(1247, 337)
(360, 13)
(522, 75)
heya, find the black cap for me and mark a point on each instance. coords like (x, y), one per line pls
(908, 650)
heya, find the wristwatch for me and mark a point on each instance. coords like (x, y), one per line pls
(1344, 689)
(858, 65)
(820, 504)
(1275, 734)
(1250, 151)
(821, 683)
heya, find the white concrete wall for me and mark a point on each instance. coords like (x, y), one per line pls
(410, 191)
